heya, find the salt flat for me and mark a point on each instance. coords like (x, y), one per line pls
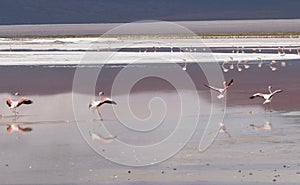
(64, 51)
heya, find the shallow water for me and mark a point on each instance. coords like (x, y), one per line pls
(56, 150)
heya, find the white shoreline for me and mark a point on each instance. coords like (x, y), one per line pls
(71, 53)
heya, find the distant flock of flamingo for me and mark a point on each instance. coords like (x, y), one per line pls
(239, 63)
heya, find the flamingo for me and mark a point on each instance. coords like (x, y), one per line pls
(246, 65)
(223, 67)
(184, 67)
(222, 91)
(96, 104)
(279, 50)
(231, 66)
(238, 66)
(15, 104)
(260, 63)
(267, 97)
(273, 68)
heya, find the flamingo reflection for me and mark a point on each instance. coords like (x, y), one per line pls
(16, 127)
(100, 137)
(266, 127)
(222, 129)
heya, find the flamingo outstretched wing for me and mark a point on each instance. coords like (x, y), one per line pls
(24, 101)
(257, 95)
(213, 88)
(230, 83)
(9, 102)
(107, 100)
(277, 91)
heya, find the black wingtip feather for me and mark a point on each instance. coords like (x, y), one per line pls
(28, 102)
(230, 83)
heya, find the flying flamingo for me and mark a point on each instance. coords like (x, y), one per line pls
(13, 105)
(267, 97)
(222, 91)
(96, 104)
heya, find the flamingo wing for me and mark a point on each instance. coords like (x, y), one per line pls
(230, 83)
(213, 88)
(257, 95)
(24, 130)
(9, 102)
(24, 101)
(27, 102)
(277, 91)
(107, 100)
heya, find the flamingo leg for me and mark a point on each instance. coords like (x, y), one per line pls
(101, 118)
(15, 112)
(271, 108)
(265, 113)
